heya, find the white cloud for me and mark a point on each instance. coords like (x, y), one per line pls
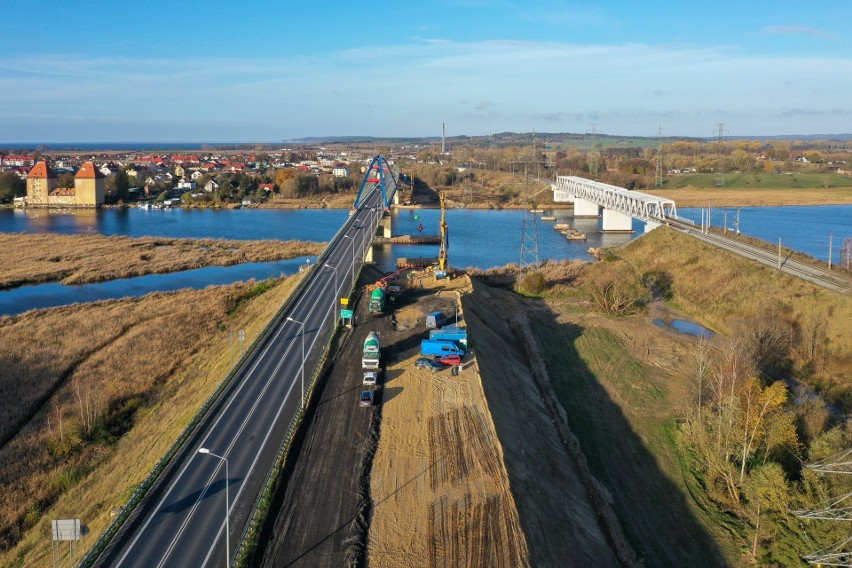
(408, 89)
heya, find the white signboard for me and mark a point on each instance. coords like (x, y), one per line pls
(66, 529)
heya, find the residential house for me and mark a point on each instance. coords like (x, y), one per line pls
(211, 186)
(340, 171)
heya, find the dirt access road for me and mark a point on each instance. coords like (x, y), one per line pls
(316, 511)
(438, 495)
(441, 494)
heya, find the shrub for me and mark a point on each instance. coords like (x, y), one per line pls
(615, 288)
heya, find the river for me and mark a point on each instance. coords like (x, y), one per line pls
(478, 238)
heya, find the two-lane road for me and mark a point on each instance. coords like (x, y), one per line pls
(182, 522)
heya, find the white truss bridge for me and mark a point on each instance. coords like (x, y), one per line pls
(584, 192)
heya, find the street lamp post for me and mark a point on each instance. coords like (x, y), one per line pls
(302, 331)
(334, 295)
(352, 239)
(227, 505)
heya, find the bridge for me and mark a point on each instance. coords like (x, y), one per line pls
(196, 506)
(620, 206)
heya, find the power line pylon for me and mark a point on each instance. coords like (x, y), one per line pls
(840, 509)
(529, 243)
(658, 176)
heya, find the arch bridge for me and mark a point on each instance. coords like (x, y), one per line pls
(620, 206)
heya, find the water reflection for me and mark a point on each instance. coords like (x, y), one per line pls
(53, 294)
(686, 327)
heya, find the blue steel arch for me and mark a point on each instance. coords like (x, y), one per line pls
(378, 173)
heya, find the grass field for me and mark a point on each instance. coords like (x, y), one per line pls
(723, 290)
(94, 394)
(79, 259)
(761, 180)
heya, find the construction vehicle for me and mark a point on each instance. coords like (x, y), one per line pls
(372, 352)
(377, 300)
(380, 290)
(441, 271)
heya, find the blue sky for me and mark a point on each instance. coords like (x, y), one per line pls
(268, 71)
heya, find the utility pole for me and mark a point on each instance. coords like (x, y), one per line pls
(720, 178)
(779, 253)
(658, 177)
(726, 220)
(830, 237)
(738, 220)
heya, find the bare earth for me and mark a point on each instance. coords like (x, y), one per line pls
(440, 489)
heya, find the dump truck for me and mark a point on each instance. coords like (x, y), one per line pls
(377, 300)
(372, 351)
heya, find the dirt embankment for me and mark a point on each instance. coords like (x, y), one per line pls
(80, 259)
(441, 494)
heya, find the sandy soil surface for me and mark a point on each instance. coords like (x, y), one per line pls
(560, 522)
(441, 494)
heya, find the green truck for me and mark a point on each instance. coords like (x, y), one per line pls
(377, 301)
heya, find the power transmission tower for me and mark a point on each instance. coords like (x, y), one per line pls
(529, 235)
(720, 175)
(658, 177)
(529, 243)
(594, 155)
(840, 509)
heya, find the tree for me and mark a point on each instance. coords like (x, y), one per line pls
(766, 490)
(11, 186)
(757, 404)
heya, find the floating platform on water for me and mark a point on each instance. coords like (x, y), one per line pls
(548, 218)
(416, 262)
(562, 227)
(409, 240)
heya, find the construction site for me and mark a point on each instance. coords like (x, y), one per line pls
(399, 462)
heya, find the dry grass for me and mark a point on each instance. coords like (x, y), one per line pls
(731, 197)
(723, 290)
(79, 259)
(123, 378)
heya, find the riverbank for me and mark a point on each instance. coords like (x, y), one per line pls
(94, 394)
(79, 259)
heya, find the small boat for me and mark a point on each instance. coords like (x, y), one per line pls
(548, 218)
(562, 227)
(576, 236)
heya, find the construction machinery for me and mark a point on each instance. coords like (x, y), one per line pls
(381, 289)
(441, 272)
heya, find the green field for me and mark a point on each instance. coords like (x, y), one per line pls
(756, 181)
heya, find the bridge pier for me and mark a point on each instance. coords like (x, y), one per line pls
(384, 227)
(650, 226)
(584, 209)
(615, 222)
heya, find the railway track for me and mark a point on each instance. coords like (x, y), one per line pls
(832, 281)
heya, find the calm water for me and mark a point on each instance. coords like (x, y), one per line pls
(53, 294)
(802, 228)
(478, 238)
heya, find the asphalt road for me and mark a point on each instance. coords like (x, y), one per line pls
(319, 500)
(183, 520)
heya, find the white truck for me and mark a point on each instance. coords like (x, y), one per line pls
(372, 352)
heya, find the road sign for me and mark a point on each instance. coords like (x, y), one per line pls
(346, 314)
(344, 301)
(66, 529)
